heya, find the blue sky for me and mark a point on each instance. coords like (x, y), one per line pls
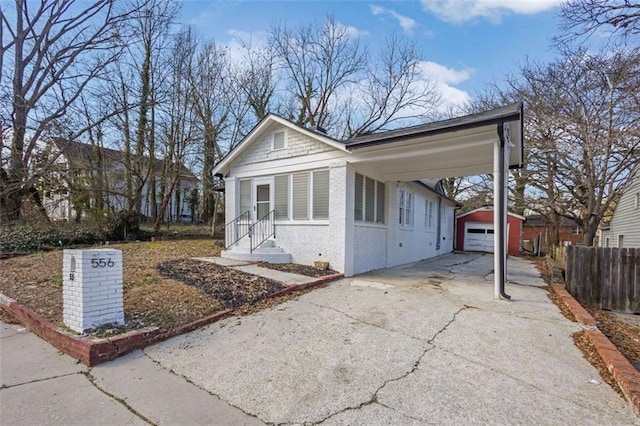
(466, 43)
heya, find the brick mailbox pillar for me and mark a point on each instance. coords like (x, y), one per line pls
(92, 288)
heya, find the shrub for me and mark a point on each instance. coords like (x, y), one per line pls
(33, 236)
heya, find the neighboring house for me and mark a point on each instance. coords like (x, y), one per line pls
(623, 230)
(475, 231)
(360, 204)
(77, 180)
(569, 232)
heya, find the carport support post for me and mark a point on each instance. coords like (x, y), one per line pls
(500, 151)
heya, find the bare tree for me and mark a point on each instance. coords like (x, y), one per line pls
(392, 90)
(583, 18)
(213, 97)
(584, 139)
(54, 51)
(178, 125)
(318, 61)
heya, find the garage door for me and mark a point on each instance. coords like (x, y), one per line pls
(478, 236)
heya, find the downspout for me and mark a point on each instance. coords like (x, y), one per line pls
(500, 214)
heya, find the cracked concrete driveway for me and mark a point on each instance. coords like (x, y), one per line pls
(419, 344)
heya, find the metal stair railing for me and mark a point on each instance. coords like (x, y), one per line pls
(236, 229)
(262, 230)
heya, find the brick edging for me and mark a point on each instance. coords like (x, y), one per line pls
(580, 313)
(92, 351)
(625, 375)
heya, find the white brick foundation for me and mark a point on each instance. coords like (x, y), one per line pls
(92, 288)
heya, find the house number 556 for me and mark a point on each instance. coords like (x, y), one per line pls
(102, 263)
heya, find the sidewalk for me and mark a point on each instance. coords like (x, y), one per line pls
(38, 385)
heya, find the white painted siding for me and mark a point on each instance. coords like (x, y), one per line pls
(626, 219)
(391, 244)
(297, 144)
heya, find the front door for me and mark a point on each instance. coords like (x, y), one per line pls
(262, 189)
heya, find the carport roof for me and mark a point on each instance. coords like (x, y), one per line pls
(461, 146)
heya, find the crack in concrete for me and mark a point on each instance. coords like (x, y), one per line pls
(40, 380)
(374, 398)
(525, 285)
(361, 321)
(121, 401)
(517, 379)
(186, 379)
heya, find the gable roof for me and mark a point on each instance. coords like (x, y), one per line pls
(489, 209)
(264, 124)
(79, 153)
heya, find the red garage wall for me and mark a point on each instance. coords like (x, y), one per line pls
(486, 215)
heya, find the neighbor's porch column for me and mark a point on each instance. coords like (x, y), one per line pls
(500, 156)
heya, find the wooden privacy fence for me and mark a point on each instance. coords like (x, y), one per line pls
(605, 277)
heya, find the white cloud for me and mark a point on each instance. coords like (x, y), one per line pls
(408, 24)
(445, 79)
(352, 31)
(377, 10)
(458, 11)
(444, 74)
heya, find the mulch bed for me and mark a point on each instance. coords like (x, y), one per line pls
(294, 268)
(230, 287)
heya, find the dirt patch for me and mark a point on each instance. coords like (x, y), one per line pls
(294, 268)
(230, 287)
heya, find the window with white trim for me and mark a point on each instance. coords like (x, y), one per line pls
(278, 141)
(406, 208)
(428, 214)
(575, 230)
(369, 200)
(638, 200)
(302, 196)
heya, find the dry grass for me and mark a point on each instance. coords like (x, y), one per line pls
(149, 299)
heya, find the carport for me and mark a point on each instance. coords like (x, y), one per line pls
(487, 142)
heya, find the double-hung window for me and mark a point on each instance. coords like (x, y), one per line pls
(369, 200)
(428, 214)
(406, 208)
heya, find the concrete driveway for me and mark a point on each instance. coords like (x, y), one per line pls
(420, 344)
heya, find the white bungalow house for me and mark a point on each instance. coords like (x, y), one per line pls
(361, 204)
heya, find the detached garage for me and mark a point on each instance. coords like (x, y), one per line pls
(474, 231)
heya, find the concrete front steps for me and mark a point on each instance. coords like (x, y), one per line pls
(267, 252)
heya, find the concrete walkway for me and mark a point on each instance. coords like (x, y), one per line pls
(286, 278)
(420, 344)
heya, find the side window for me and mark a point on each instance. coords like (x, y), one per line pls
(406, 208)
(369, 200)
